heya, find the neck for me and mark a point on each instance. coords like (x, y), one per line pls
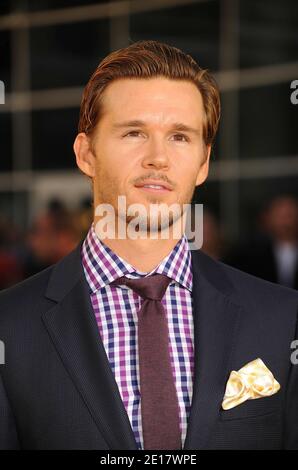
(143, 254)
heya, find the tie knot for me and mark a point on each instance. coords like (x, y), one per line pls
(152, 287)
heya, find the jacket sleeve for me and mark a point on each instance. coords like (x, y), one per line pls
(8, 432)
(291, 405)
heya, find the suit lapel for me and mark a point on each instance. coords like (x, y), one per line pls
(72, 327)
(215, 324)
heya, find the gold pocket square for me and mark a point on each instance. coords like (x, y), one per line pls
(254, 380)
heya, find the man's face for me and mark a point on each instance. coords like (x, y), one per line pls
(140, 138)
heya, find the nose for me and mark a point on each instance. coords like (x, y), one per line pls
(156, 154)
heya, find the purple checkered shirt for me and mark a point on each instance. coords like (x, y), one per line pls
(116, 315)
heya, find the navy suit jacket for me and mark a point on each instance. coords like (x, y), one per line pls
(57, 390)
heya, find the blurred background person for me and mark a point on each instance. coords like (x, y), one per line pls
(54, 233)
(273, 253)
(213, 239)
(11, 269)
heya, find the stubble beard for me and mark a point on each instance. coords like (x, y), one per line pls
(156, 223)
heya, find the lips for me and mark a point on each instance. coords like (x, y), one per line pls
(158, 185)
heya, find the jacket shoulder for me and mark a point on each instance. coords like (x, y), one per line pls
(261, 295)
(246, 289)
(38, 292)
(25, 295)
(244, 280)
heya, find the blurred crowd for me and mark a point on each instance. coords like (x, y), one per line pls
(53, 234)
(269, 252)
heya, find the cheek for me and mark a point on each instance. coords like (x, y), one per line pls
(188, 175)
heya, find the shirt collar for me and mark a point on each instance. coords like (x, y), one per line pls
(102, 265)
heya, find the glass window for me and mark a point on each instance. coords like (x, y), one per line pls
(268, 32)
(5, 142)
(39, 5)
(193, 28)
(66, 55)
(5, 60)
(5, 7)
(14, 207)
(268, 122)
(53, 134)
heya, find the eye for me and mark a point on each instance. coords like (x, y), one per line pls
(132, 133)
(182, 136)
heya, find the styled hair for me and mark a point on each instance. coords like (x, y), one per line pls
(148, 59)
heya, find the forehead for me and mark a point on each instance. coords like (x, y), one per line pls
(154, 99)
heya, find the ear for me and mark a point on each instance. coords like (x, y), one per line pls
(204, 167)
(84, 156)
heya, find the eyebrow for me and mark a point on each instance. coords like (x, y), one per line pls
(178, 126)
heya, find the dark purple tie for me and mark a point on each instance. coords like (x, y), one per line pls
(159, 402)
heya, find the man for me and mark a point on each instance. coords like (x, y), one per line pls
(130, 343)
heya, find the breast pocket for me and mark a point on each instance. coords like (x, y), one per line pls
(253, 408)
